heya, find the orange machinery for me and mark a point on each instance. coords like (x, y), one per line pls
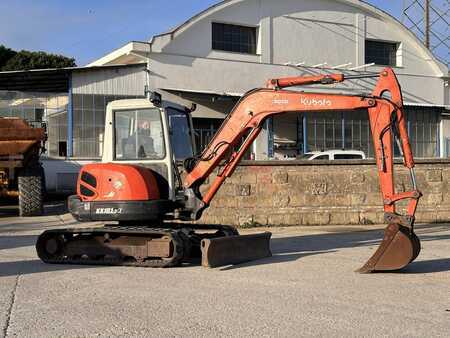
(138, 205)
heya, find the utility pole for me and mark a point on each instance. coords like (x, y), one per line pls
(427, 23)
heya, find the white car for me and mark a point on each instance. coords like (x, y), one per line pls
(334, 155)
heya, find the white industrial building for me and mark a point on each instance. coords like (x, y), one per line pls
(236, 45)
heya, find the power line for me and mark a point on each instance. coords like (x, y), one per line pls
(429, 20)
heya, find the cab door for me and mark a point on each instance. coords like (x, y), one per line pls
(181, 134)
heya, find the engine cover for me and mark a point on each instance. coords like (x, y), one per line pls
(107, 182)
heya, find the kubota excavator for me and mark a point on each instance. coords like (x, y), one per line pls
(155, 207)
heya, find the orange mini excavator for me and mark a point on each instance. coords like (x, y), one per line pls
(139, 186)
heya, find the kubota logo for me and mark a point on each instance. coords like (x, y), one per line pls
(315, 102)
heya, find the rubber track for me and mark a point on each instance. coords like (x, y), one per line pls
(177, 237)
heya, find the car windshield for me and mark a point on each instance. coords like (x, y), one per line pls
(139, 135)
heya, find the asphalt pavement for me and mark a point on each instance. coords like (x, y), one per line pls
(308, 288)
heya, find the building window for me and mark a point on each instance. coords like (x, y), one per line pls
(233, 38)
(381, 53)
(324, 131)
(423, 126)
(356, 130)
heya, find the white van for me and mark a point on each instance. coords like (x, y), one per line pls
(334, 155)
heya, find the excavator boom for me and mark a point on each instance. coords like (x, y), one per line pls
(385, 107)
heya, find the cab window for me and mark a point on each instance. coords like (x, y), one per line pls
(180, 134)
(139, 135)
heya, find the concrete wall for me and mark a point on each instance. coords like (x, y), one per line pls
(300, 193)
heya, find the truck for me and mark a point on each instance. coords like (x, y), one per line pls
(21, 173)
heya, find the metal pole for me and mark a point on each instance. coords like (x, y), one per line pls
(147, 80)
(69, 144)
(427, 23)
(305, 134)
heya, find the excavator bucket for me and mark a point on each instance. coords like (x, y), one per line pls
(400, 246)
(235, 249)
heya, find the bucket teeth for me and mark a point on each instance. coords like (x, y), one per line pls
(399, 247)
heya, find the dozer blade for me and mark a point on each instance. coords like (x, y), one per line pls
(400, 246)
(235, 249)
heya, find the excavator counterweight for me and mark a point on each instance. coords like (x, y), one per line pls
(146, 199)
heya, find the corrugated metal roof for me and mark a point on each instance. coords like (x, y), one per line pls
(423, 104)
(54, 80)
(206, 92)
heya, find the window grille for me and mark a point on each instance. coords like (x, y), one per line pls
(381, 53)
(233, 38)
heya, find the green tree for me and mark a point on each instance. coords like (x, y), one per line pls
(25, 60)
(5, 55)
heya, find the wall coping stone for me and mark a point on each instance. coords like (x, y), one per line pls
(281, 163)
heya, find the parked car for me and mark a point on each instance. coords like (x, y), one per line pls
(334, 155)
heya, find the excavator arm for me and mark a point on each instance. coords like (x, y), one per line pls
(385, 107)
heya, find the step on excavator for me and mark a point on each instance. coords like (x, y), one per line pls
(151, 204)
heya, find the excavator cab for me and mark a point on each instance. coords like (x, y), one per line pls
(153, 133)
(138, 178)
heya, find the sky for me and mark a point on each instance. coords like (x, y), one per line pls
(89, 29)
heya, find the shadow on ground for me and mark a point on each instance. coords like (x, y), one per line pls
(13, 242)
(284, 249)
(428, 266)
(287, 249)
(34, 266)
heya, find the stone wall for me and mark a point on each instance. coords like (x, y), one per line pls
(320, 193)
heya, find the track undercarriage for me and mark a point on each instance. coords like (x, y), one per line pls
(166, 246)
